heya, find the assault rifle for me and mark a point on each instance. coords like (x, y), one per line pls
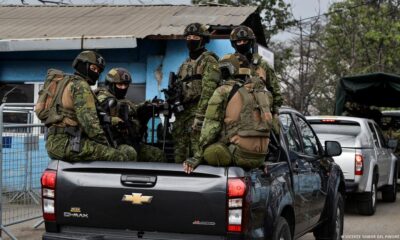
(173, 101)
(174, 94)
(133, 137)
(103, 112)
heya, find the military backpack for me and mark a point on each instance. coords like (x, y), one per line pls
(49, 107)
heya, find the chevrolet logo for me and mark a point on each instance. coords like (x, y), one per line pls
(137, 198)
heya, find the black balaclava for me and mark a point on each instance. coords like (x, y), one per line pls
(117, 92)
(83, 69)
(196, 47)
(120, 93)
(245, 49)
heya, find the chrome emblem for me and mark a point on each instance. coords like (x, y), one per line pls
(137, 198)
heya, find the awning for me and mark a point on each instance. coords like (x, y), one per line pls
(64, 43)
(24, 28)
(375, 89)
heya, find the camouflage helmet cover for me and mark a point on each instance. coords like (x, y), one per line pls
(119, 75)
(196, 29)
(242, 33)
(90, 57)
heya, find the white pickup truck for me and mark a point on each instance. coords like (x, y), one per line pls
(367, 162)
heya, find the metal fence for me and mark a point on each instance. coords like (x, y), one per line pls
(23, 158)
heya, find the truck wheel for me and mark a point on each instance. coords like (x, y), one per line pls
(389, 194)
(332, 228)
(368, 206)
(282, 230)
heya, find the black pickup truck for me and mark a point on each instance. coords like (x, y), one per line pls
(299, 190)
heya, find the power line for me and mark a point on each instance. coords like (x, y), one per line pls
(333, 12)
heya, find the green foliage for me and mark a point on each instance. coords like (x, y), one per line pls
(364, 38)
(275, 14)
(357, 37)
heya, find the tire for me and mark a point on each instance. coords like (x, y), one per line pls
(368, 205)
(389, 194)
(282, 230)
(332, 228)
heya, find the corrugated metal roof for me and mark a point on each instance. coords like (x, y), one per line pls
(28, 22)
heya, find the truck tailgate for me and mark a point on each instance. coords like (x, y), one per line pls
(142, 196)
(346, 161)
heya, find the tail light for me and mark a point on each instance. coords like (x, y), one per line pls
(48, 181)
(359, 165)
(328, 120)
(236, 193)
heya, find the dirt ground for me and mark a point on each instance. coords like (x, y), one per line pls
(25, 231)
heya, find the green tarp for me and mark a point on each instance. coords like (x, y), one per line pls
(377, 89)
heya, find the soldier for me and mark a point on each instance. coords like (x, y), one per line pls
(243, 40)
(199, 77)
(237, 121)
(126, 126)
(391, 129)
(74, 130)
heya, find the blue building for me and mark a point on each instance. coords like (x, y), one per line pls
(146, 40)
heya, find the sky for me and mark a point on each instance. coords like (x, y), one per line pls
(309, 8)
(302, 9)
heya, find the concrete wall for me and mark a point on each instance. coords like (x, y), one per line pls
(19, 67)
(152, 59)
(175, 53)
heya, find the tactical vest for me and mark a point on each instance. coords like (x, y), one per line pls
(49, 107)
(248, 119)
(190, 74)
(103, 94)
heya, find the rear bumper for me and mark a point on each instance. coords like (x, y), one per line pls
(159, 236)
(73, 233)
(351, 186)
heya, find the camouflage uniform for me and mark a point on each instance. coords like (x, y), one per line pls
(78, 99)
(394, 133)
(391, 130)
(237, 123)
(260, 68)
(146, 152)
(199, 78)
(269, 77)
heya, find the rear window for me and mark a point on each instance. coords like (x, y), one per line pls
(336, 126)
(343, 132)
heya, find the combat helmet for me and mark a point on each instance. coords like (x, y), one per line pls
(118, 75)
(82, 64)
(197, 29)
(90, 57)
(115, 76)
(242, 33)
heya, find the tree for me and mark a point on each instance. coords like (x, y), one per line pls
(305, 86)
(357, 37)
(363, 36)
(275, 13)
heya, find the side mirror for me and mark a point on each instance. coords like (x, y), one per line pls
(392, 143)
(332, 148)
